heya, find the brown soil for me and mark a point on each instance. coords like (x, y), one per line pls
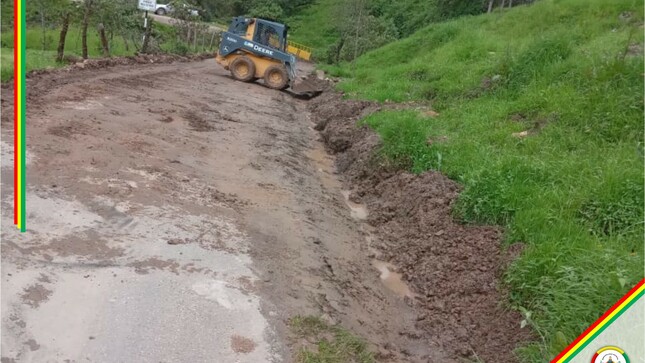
(36, 294)
(241, 344)
(144, 267)
(453, 269)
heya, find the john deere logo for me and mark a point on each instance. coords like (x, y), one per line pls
(610, 354)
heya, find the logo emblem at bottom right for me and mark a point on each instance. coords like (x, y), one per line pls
(610, 354)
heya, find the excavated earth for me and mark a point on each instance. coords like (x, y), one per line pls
(453, 269)
(176, 215)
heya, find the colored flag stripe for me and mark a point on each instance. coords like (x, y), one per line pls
(16, 105)
(19, 116)
(16, 35)
(603, 322)
(23, 117)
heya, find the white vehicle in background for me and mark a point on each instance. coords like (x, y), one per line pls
(165, 9)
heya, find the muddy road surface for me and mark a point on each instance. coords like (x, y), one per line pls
(176, 215)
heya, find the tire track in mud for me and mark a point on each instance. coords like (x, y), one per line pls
(226, 231)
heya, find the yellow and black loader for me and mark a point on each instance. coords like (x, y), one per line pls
(255, 49)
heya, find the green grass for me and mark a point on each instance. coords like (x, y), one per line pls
(39, 57)
(34, 59)
(572, 190)
(314, 26)
(328, 344)
(34, 41)
(42, 55)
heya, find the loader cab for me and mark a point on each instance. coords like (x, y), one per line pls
(267, 33)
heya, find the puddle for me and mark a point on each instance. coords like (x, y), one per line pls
(357, 211)
(392, 280)
(324, 164)
(389, 277)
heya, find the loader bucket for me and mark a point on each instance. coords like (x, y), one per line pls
(307, 88)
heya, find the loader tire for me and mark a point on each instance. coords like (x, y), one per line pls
(276, 77)
(243, 69)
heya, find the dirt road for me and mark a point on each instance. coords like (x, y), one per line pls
(176, 215)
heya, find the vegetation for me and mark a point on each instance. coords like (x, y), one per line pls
(35, 59)
(343, 30)
(57, 33)
(540, 118)
(223, 10)
(313, 26)
(328, 344)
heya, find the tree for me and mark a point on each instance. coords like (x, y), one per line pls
(448, 9)
(66, 11)
(267, 9)
(292, 7)
(105, 47)
(120, 18)
(6, 14)
(88, 4)
(63, 36)
(502, 4)
(359, 31)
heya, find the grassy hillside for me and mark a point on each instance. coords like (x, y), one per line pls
(540, 117)
(319, 23)
(314, 26)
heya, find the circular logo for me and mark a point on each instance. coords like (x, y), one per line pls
(610, 354)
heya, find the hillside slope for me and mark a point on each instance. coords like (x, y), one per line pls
(314, 26)
(538, 113)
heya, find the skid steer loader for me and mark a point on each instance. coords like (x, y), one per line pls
(257, 49)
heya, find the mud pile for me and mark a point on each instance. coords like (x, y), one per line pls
(309, 86)
(453, 269)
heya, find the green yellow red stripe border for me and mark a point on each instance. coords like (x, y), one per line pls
(19, 144)
(601, 324)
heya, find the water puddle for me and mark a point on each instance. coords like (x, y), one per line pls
(357, 211)
(324, 164)
(392, 280)
(389, 277)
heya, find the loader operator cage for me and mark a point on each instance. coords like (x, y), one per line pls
(239, 25)
(270, 34)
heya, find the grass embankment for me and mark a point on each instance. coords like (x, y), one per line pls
(541, 120)
(315, 26)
